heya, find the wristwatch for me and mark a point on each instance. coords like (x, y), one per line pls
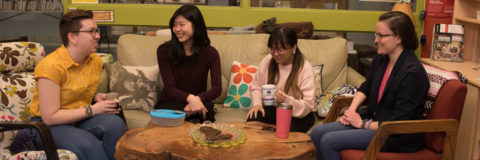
(363, 124)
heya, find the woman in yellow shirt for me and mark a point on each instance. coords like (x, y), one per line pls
(67, 80)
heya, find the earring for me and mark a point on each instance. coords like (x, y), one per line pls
(75, 43)
(293, 52)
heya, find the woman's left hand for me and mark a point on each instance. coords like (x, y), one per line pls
(280, 96)
(99, 97)
(353, 118)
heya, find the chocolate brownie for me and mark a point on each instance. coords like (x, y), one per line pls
(206, 128)
(225, 136)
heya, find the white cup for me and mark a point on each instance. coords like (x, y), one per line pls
(268, 92)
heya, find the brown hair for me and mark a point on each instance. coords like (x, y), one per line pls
(285, 36)
(72, 22)
(401, 25)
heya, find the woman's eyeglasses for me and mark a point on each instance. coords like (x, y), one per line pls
(93, 32)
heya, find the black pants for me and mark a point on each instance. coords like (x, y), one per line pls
(297, 125)
(181, 106)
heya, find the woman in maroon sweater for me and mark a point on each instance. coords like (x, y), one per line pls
(184, 63)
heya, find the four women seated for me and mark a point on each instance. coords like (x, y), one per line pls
(86, 124)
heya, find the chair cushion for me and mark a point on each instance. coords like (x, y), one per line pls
(422, 154)
(447, 105)
(40, 155)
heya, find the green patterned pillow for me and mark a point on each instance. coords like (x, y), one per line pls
(241, 79)
(324, 103)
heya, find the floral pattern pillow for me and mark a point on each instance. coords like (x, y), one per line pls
(18, 57)
(324, 103)
(241, 79)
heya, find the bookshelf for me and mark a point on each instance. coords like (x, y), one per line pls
(468, 138)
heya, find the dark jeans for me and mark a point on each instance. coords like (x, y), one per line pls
(181, 106)
(297, 124)
(91, 139)
(329, 139)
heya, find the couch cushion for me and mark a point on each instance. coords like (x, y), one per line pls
(230, 115)
(136, 118)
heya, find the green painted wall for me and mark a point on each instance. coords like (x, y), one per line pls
(225, 17)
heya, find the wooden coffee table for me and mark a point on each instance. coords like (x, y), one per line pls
(156, 142)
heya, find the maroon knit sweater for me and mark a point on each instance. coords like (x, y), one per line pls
(190, 76)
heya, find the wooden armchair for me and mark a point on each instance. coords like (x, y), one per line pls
(440, 128)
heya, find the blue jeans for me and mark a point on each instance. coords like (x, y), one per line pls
(329, 139)
(91, 139)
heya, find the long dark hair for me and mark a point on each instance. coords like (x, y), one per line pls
(401, 25)
(286, 37)
(200, 37)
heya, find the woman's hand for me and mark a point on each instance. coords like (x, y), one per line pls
(105, 107)
(255, 110)
(343, 121)
(353, 118)
(99, 97)
(280, 96)
(196, 105)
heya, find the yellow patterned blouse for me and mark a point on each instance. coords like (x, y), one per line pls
(78, 84)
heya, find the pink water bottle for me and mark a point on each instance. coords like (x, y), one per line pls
(284, 119)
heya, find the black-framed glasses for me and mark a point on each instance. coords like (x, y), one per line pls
(381, 36)
(93, 32)
(272, 51)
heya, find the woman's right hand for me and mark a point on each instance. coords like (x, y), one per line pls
(196, 105)
(106, 106)
(343, 121)
(255, 110)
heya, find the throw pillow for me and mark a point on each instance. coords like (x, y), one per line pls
(20, 56)
(136, 86)
(241, 79)
(324, 103)
(437, 78)
(317, 71)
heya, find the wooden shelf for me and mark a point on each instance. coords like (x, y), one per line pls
(2, 11)
(465, 68)
(470, 20)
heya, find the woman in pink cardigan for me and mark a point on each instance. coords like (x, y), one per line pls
(287, 68)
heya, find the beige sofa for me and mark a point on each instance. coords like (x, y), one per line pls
(139, 50)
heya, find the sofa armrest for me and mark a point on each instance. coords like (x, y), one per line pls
(387, 128)
(103, 84)
(354, 78)
(43, 130)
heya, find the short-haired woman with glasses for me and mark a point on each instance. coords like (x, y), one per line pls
(396, 88)
(67, 80)
(287, 68)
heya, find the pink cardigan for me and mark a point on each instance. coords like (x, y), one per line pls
(306, 83)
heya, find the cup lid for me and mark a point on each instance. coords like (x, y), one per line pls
(166, 113)
(284, 106)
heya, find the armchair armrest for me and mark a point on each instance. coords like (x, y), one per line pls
(337, 106)
(42, 128)
(387, 128)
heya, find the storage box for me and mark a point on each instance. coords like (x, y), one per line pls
(167, 117)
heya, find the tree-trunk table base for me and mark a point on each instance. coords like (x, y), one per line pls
(156, 142)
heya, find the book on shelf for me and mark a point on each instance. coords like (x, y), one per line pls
(31, 5)
(447, 44)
